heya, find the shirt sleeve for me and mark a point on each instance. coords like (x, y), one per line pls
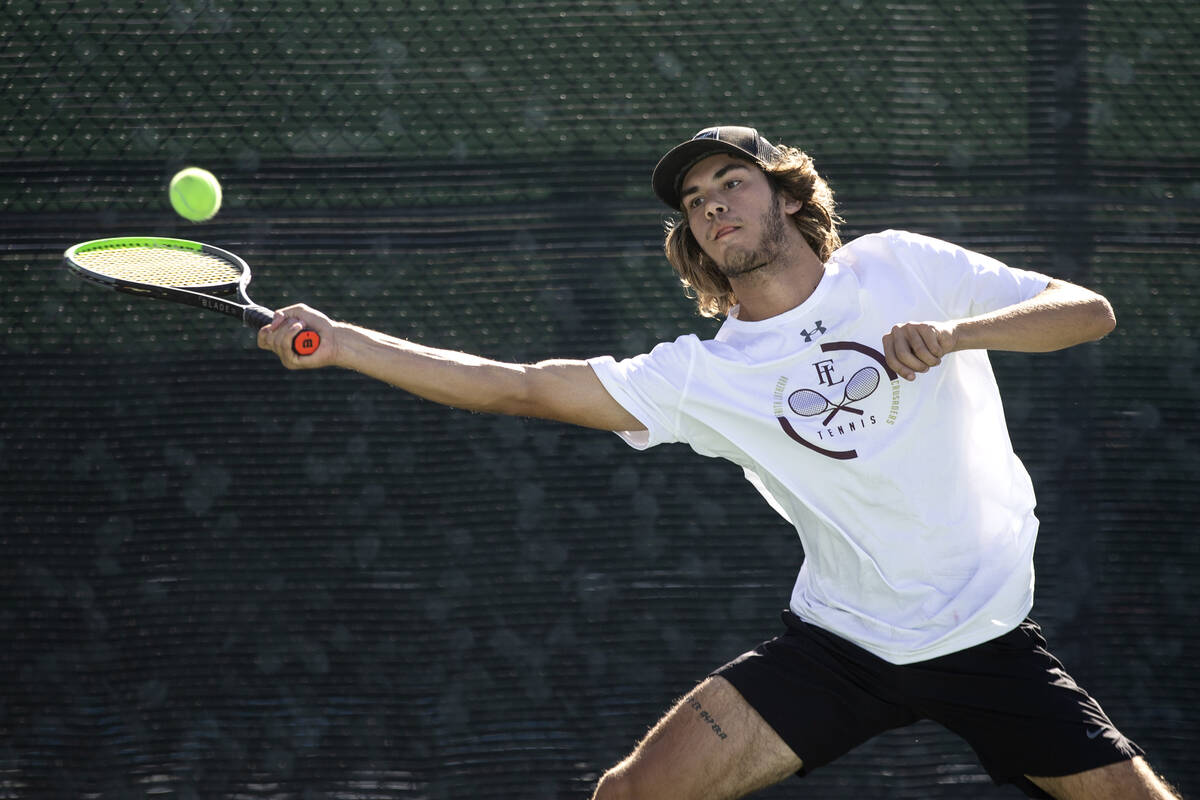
(651, 387)
(965, 282)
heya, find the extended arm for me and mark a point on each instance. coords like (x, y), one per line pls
(563, 390)
(1060, 316)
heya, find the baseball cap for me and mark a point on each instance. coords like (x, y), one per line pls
(732, 139)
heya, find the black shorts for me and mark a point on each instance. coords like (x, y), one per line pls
(1009, 698)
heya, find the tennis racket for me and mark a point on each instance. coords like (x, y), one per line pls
(810, 403)
(181, 271)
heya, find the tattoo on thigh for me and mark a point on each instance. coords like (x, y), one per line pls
(707, 718)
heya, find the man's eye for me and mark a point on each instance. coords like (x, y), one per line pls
(732, 182)
(695, 202)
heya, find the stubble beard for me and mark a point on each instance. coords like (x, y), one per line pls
(740, 262)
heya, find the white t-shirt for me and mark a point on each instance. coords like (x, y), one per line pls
(915, 515)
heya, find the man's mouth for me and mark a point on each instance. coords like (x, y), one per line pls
(724, 231)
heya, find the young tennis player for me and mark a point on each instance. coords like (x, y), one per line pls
(852, 384)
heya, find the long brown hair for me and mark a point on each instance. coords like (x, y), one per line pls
(795, 175)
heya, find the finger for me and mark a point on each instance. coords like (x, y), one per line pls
(925, 345)
(293, 330)
(268, 331)
(283, 337)
(272, 336)
(894, 362)
(935, 339)
(266, 339)
(913, 346)
(909, 348)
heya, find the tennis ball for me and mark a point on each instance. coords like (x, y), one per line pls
(195, 194)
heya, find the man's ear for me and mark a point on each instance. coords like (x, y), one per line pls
(791, 205)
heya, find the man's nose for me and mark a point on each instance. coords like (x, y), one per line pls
(715, 206)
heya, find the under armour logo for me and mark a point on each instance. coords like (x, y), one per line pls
(818, 328)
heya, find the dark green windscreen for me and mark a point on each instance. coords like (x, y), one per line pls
(223, 579)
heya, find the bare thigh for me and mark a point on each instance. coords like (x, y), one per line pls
(712, 744)
(1126, 780)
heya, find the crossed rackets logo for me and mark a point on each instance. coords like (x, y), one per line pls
(861, 385)
(811, 403)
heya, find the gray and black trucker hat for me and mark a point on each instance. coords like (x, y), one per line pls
(732, 139)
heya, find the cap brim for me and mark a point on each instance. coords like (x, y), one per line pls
(669, 172)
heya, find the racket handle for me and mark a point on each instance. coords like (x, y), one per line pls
(304, 343)
(257, 316)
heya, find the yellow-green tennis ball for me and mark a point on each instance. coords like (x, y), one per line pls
(195, 194)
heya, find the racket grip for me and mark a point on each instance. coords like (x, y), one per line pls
(257, 316)
(304, 343)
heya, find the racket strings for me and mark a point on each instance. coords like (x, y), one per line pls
(162, 266)
(810, 403)
(807, 403)
(862, 384)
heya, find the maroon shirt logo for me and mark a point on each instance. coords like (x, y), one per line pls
(837, 394)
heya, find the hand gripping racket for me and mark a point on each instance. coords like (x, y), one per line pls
(181, 271)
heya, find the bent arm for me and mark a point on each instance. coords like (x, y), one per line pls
(563, 390)
(1062, 315)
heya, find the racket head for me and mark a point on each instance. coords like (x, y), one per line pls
(808, 403)
(148, 262)
(180, 270)
(862, 384)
